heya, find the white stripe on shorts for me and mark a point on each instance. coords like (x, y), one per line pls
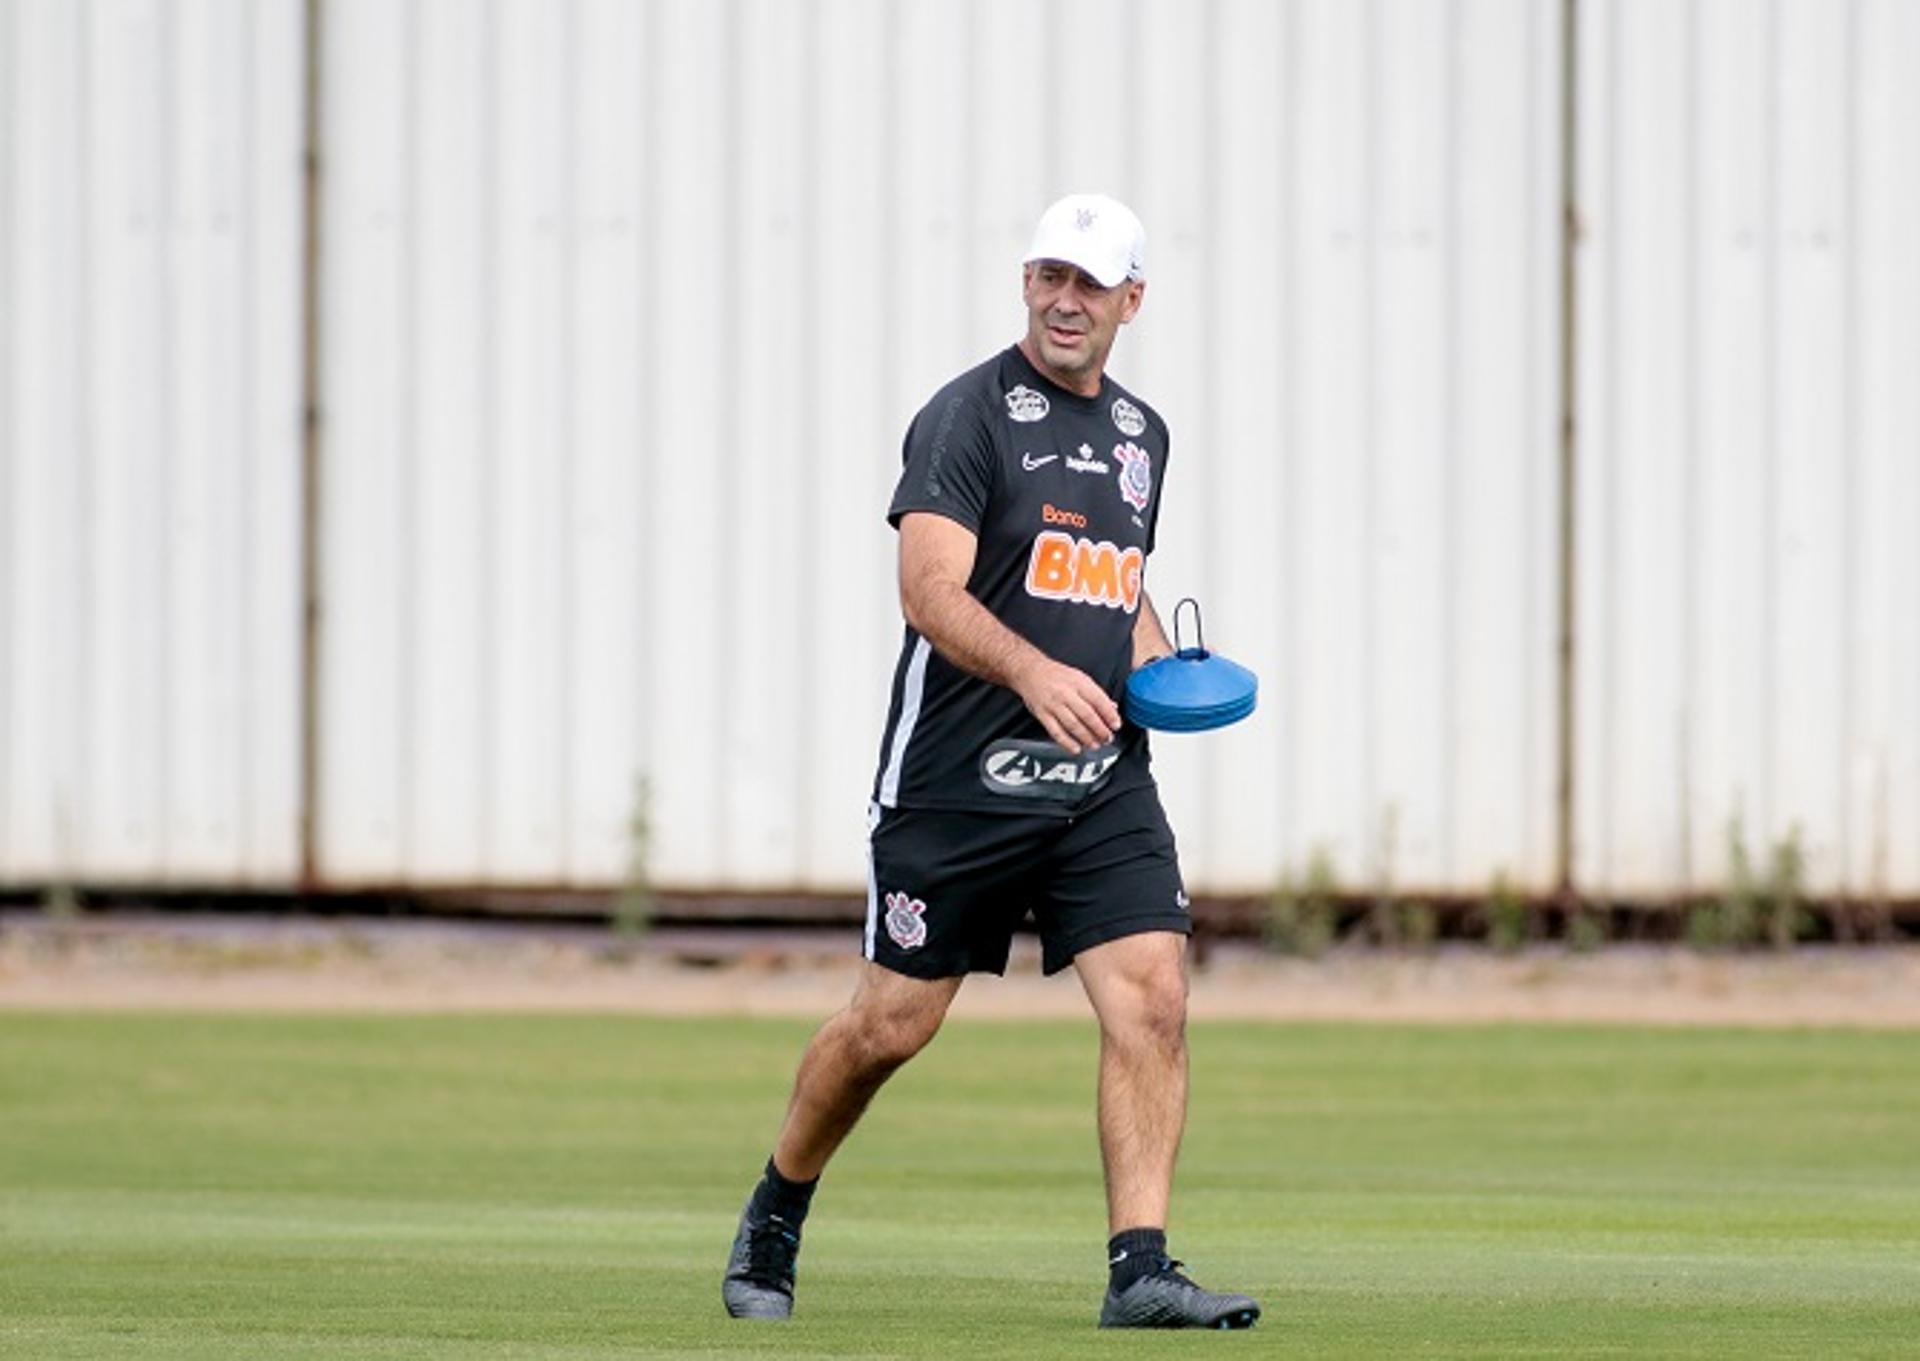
(873, 883)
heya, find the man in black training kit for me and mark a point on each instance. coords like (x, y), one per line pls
(1008, 779)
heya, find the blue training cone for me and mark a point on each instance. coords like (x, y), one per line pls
(1193, 690)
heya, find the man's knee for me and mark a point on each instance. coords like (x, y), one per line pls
(887, 1044)
(892, 1018)
(1154, 1006)
(1162, 1013)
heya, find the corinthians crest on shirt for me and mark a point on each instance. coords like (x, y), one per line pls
(906, 921)
(1136, 474)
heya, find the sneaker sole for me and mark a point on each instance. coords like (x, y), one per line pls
(1232, 1320)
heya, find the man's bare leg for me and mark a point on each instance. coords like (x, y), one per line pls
(890, 1019)
(1138, 987)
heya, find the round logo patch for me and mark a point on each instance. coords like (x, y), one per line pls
(1025, 405)
(1128, 418)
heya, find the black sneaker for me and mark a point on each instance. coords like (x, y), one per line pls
(759, 1279)
(1166, 1299)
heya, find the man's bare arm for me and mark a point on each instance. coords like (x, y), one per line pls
(936, 558)
(1149, 635)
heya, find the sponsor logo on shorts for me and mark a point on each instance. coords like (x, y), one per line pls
(1027, 406)
(1180, 899)
(1084, 461)
(1128, 418)
(1064, 567)
(1032, 461)
(1044, 770)
(1136, 474)
(906, 920)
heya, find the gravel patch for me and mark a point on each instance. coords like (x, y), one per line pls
(250, 963)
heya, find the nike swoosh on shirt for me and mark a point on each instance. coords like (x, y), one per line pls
(1029, 462)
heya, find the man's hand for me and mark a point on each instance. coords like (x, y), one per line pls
(1075, 711)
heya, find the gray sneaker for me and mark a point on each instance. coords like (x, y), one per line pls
(1166, 1299)
(759, 1279)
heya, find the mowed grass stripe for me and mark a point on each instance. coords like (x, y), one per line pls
(566, 1186)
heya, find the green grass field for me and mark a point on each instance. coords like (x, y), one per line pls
(566, 1187)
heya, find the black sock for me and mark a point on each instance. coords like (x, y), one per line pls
(1133, 1253)
(788, 1199)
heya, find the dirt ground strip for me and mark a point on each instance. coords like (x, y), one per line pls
(341, 965)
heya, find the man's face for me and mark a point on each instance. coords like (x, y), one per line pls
(1072, 321)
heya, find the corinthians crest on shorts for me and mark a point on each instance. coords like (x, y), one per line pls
(905, 922)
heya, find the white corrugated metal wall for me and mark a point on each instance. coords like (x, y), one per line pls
(149, 441)
(627, 308)
(624, 308)
(1749, 607)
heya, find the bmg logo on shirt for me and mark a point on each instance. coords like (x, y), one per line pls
(1064, 567)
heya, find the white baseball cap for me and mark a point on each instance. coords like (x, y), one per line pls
(1099, 234)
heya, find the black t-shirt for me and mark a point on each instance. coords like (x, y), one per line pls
(1062, 492)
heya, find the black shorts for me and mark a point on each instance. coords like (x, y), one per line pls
(946, 890)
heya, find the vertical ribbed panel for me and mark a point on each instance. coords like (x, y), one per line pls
(1748, 622)
(1354, 272)
(627, 308)
(149, 441)
(1879, 823)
